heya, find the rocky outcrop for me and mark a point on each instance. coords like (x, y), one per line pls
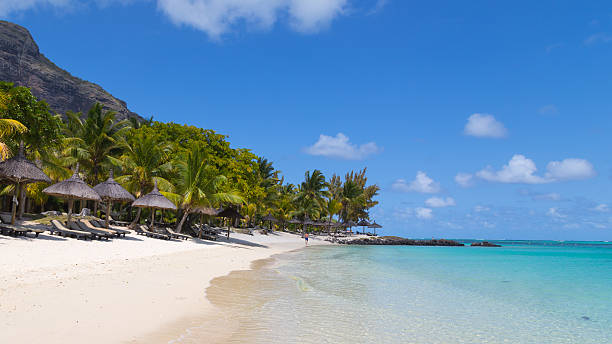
(22, 64)
(484, 244)
(398, 241)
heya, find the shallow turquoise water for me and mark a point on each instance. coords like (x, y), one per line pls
(530, 292)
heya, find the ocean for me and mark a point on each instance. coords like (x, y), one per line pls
(523, 292)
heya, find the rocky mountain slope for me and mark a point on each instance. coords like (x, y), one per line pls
(22, 63)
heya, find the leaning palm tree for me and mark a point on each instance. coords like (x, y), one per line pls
(145, 160)
(200, 185)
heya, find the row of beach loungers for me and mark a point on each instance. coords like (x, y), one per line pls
(96, 230)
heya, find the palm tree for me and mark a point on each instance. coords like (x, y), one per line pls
(92, 141)
(8, 127)
(350, 197)
(332, 207)
(200, 185)
(313, 188)
(145, 159)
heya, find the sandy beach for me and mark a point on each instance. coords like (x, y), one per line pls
(57, 290)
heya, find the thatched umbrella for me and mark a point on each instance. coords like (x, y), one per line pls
(20, 170)
(229, 213)
(71, 189)
(154, 200)
(364, 223)
(270, 218)
(207, 211)
(111, 191)
(374, 225)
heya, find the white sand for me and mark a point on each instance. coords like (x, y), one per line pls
(56, 290)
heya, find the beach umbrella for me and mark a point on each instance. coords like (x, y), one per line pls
(71, 189)
(270, 218)
(374, 225)
(229, 212)
(111, 191)
(349, 224)
(154, 200)
(364, 223)
(207, 211)
(21, 171)
(295, 221)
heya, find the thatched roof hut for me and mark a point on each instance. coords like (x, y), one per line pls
(269, 217)
(110, 191)
(374, 225)
(154, 199)
(113, 191)
(71, 189)
(207, 211)
(20, 170)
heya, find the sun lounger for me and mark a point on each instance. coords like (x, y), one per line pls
(96, 234)
(206, 232)
(60, 229)
(118, 229)
(144, 230)
(87, 224)
(174, 234)
(15, 230)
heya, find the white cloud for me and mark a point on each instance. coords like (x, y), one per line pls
(11, 6)
(423, 213)
(552, 196)
(217, 17)
(598, 38)
(422, 183)
(484, 125)
(570, 169)
(518, 170)
(487, 224)
(464, 179)
(341, 147)
(554, 212)
(603, 208)
(523, 170)
(439, 202)
(380, 4)
(480, 208)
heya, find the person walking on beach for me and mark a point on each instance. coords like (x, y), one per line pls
(306, 238)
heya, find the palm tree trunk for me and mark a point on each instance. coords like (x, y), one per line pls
(179, 227)
(14, 201)
(22, 196)
(108, 211)
(137, 218)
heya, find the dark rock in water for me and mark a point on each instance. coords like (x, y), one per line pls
(485, 244)
(22, 64)
(390, 240)
(584, 317)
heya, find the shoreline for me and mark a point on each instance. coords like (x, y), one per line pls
(128, 291)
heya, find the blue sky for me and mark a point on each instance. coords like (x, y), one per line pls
(512, 97)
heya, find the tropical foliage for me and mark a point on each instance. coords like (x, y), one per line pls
(195, 168)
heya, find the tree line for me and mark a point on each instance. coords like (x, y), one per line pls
(195, 168)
